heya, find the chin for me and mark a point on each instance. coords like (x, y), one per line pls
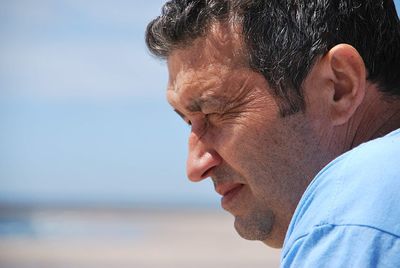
(261, 227)
(273, 243)
(254, 228)
(268, 238)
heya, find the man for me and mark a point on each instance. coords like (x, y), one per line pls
(294, 109)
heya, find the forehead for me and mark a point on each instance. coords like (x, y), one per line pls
(203, 66)
(221, 46)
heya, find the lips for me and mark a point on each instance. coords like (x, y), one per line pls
(229, 192)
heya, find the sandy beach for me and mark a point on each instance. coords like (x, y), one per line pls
(127, 238)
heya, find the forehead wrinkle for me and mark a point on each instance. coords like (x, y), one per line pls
(201, 69)
(201, 92)
(201, 103)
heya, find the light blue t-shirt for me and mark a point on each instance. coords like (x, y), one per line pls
(349, 216)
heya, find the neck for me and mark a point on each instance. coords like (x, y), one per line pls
(377, 116)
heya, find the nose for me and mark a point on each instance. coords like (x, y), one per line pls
(201, 159)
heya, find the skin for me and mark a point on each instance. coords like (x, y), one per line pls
(239, 139)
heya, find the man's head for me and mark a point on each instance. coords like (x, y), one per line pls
(269, 88)
(282, 39)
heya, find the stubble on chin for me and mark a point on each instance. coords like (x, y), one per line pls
(257, 225)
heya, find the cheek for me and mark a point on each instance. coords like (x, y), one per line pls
(260, 159)
(242, 147)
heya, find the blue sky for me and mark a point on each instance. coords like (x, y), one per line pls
(82, 110)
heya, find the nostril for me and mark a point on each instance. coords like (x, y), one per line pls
(200, 163)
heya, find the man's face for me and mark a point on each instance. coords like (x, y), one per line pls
(259, 162)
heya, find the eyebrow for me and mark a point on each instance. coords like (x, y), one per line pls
(196, 105)
(213, 102)
(193, 107)
(202, 103)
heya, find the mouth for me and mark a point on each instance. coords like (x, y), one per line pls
(229, 192)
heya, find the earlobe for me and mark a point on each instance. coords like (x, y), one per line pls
(348, 76)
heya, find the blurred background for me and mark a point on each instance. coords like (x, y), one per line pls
(91, 156)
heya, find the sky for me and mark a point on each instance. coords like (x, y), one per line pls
(82, 108)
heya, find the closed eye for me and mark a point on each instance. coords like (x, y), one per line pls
(183, 117)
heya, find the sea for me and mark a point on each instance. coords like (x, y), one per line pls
(142, 237)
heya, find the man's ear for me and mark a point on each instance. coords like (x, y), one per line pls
(348, 82)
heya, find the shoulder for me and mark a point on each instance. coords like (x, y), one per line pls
(359, 188)
(379, 156)
(344, 246)
(368, 175)
(368, 183)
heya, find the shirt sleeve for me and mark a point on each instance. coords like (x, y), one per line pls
(344, 246)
